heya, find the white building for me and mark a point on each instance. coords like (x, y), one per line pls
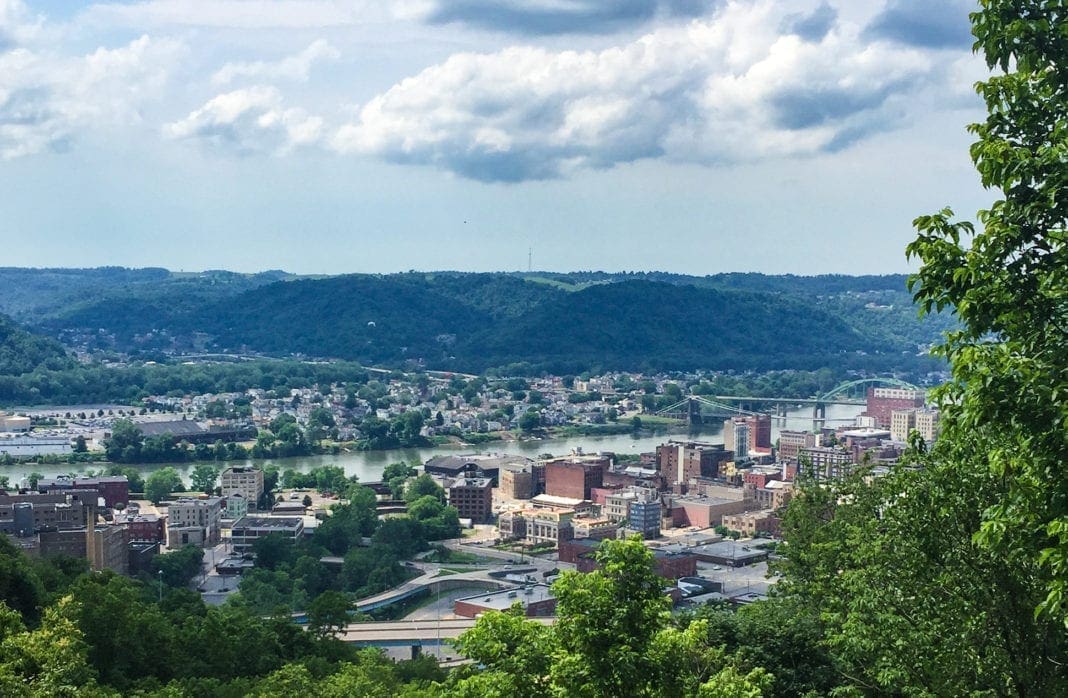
(244, 481)
(194, 521)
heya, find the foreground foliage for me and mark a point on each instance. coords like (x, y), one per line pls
(1008, 284)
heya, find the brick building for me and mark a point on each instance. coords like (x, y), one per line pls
(246, 531)
(680, 462)
(791, 443)
(144, 527)
(883, 401)
(113, 489)
(573, 479)
(537, 600)
(705, 512)
(668, 564)
(472, 497)
(517, 483)
(754, 522)
(775, 495)
(23, 513)
(759, 432)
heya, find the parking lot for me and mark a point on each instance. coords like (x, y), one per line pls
(738, 580)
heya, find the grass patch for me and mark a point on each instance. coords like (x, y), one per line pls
(659, 420)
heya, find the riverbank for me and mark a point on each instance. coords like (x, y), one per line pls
(368, 465)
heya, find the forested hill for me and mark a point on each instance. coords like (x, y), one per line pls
(477, 322)
(22, 352)
(469, 322)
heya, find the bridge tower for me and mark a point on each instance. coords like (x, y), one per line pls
(693, 413)
(780, 411)
(819, 416)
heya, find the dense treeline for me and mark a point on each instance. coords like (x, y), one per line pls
(72, 633)
(471, 322)
(130, 384)
(22, 352)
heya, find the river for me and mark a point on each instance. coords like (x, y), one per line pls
(368, 465)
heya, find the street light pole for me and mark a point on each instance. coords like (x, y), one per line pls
(161, 586)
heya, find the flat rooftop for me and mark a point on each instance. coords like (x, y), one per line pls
(706, 501)
(280, 523)
(502, 600)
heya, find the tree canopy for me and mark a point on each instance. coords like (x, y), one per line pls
(1007, 282)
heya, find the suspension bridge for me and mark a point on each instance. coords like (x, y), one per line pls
(699, 409)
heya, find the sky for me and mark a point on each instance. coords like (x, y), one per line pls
(375, 136)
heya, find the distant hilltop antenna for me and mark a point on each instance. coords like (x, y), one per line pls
(530, 259)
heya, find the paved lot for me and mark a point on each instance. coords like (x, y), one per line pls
(215, 588)
(738, 580)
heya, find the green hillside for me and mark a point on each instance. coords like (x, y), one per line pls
(22, 352)
(465, 321)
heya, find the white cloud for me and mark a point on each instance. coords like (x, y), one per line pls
(47, 99)
(241, 14)
(249, 121)
(731, 88)
(296, 67)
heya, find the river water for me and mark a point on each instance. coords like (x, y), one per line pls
(368, 465)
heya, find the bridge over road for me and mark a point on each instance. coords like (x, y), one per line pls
(431, 634)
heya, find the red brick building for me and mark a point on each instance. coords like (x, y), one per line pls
(680, 462)
(791, 443)
(537, 601)
(761, 478)
(669, 565)
(575, 480)
(759, 432)
(883, 401)
(144, 527)
(472, 497)
(114, 489)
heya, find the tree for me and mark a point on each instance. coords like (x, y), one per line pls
(33, 478)
(607, 620)
(124, 444)
(421, 487)
(179, 567)
(1007, 287)
(20, 588)
(395, 476)
(530, 420)
(204, 477)
(328, 614)
(272, 551)
(80, 445)
(908, 600)
(50, 661)
(161, 483)
(611, 639)
(517, 656)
